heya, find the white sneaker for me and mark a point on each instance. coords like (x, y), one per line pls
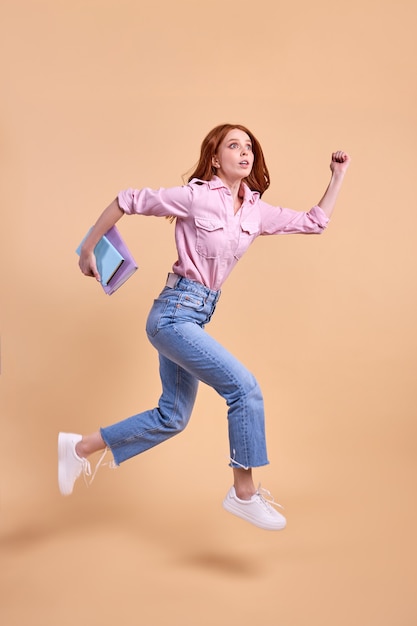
(70, 465)
(257, 510)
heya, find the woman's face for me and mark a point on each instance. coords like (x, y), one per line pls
(234, 157)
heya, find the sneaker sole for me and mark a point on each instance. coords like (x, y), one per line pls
(63, 450)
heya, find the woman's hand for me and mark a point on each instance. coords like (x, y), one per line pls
(340, 162)
(107, 219)
(88, 265)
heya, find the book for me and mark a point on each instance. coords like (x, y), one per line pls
(115, 262)
(129, 265)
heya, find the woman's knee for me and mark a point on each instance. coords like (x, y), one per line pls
(175, 422)
(246, 386)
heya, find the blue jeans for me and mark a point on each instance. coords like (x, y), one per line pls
(187, 355)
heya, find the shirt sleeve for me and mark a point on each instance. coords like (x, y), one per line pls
(281, 221)
(163, 202)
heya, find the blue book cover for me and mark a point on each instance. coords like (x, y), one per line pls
(108, 259)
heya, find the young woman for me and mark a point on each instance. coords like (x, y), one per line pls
(218, 214)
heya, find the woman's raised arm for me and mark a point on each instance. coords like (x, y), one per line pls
(339, 164)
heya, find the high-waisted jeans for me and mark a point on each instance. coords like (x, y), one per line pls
(187, 355)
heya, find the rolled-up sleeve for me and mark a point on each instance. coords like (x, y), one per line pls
(281, 221)
(163, 202)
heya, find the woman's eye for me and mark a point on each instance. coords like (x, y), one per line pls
(236, 145)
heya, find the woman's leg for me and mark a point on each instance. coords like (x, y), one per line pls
(149, 428)
(192, 348)
(134, 434)
(90, 444)
(243, 483)
(145, 430)
(207, 360)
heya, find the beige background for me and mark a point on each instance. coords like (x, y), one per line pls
(101, 95)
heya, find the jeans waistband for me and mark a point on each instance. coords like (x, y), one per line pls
(186, 284)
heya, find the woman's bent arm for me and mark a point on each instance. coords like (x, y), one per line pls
(107, 219)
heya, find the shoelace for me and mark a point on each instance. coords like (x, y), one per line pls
(233, 460)
(86, 469)
(267, 498)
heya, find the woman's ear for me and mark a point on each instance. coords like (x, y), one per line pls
(215, 161)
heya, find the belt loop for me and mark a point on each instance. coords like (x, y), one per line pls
(172, 280)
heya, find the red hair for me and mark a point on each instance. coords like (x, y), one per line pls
(258, 179)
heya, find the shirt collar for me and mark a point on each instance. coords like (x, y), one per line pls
(217, 183)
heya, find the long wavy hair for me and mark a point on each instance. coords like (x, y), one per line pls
(258, 179)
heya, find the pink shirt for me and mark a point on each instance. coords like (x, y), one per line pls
(210, 237)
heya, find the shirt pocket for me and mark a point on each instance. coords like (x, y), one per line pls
(209, 237)
(248, 232)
